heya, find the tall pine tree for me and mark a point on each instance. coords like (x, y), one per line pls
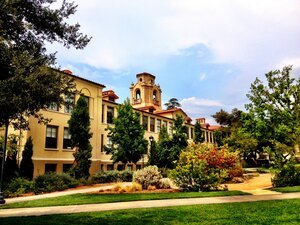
(79, 128)
(26, 166)
(127, 136)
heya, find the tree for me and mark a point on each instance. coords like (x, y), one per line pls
(153, 158)
(169, 148)
(128, 144)
(11, 165)
(245, 144)
(172, 103)
(226, 119)
(218, 137)
(274, 114)
(26, 166)
(180, 133)
(79, 128)
(198, 133)
(27, 84)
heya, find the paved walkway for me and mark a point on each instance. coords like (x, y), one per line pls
(255, 185)
(38, 211)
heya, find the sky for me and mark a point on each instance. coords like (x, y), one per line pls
(205, 53)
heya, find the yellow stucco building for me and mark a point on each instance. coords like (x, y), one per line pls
(51, 142)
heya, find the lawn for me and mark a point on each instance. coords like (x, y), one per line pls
(287, 189)
(264, 212)
(79, 199)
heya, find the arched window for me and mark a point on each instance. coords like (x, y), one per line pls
(154, 95)
(138, 94)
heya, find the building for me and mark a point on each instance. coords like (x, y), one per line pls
(51, 142)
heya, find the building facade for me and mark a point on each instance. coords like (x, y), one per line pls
(51, 142)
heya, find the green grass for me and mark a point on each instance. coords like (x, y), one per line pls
(287, 189)
(79, 199)
(250, 213)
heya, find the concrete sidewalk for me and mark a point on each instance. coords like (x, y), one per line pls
(38, 211)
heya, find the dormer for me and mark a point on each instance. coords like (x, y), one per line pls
(109, 96)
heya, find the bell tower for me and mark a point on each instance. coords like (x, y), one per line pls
(145, 94)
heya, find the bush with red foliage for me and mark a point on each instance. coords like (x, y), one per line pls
(203, 167)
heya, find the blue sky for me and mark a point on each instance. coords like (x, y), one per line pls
(205, 53)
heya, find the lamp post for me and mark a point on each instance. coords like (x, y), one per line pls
(2, 200)
(151, 142)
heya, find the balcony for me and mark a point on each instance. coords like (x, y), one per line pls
(137, 101)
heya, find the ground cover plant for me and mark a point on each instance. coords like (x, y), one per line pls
(287, 189)
(79, 199)
(250, 213)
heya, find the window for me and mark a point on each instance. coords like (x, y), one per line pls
(165, 124)
(192, 133)
(110, 167)
(70, 102)
(152, 124)
(154, 95)
(50, 167)
(110, 114)
(158, 125)
(51, 137)
(87, 100)
(120, 167)
(102, 115)
(101, 167)
(102, 143)
(53, 106)
(109, 142)
(138, 167)
(145, 122)
(138, 94)
(129, 167)
(170, 128)
(67, 167)
(67, 139)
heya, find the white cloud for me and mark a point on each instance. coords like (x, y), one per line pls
(193, 101)
(252, 36)
(126, 33)
(202, 76)
(197, 107)
(290, 61)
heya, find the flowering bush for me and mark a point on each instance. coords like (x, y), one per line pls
(147, 176)
(203, 167)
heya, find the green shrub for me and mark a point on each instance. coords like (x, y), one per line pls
(50, 182)
(236, 171)
(147, 176)
(263, 170)
(112, 176)
(202, 167)
(289, 175)
(164, 183)
(17, 187)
